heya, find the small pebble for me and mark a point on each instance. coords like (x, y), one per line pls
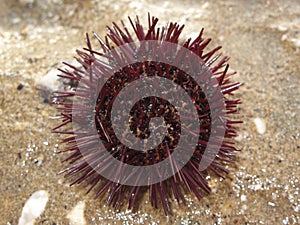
(285, 221)
(44, 113)
(51, 82)
(239, 137)
(243, 198)
(20, 87)
(48, 83)
(260, 125)
(34, 207)
(16, 20)
(271, 204)
(39, 160)
(76, 216)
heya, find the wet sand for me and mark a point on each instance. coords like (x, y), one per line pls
(263, 40)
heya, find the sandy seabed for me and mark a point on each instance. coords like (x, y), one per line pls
(263, 40)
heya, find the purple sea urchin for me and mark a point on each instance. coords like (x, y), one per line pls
(157, 58)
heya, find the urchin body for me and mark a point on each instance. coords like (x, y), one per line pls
(189, 177)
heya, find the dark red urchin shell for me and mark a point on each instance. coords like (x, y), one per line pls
(189, 177)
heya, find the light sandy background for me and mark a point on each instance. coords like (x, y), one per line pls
(263, 40)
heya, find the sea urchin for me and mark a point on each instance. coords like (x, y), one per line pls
(147, 113)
